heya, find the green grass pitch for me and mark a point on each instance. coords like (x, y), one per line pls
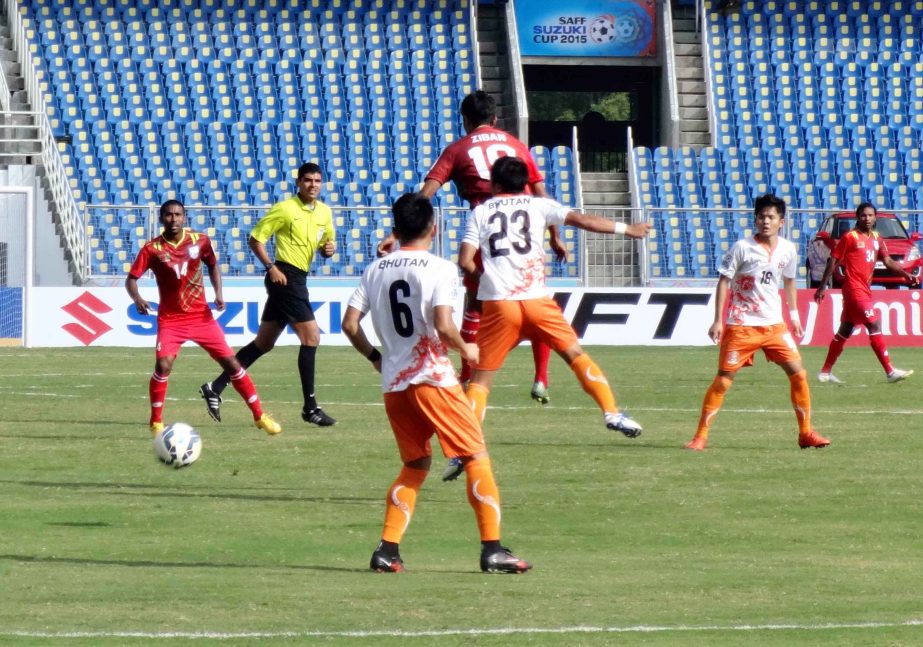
(267, 540)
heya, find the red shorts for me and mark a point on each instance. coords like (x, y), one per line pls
(506, 323)
(858, 310)
(204, 331)
(422, 410)
(740, 343)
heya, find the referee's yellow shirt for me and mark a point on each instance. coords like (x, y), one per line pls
(298, 228)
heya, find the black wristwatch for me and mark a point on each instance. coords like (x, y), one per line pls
(269, 266)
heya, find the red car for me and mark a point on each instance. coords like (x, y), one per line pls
(901, 246)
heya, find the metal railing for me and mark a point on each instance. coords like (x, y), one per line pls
(119, 231)
(5, 96)
(65, 206)
(670, 66)
(519, 83)
(709, 81)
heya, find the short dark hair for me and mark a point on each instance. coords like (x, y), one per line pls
(511, 173)
(769, 200)
(479, 108)
(413, 213)
(309, 168)
(171, 203)
(862, 207)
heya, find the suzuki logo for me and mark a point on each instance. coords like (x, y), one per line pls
(91, 327)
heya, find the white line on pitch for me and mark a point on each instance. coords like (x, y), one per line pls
(506, 631)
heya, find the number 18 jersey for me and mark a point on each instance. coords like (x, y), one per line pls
(400, 292)
(510, 232)
(755, 272)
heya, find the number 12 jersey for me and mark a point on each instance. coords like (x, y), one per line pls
(400, 292)
(510, 232)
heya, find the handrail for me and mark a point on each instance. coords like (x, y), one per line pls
(475, 42)
(519, 84)
(5, 96)
(670, 65)
(71, 220)
(578, 179)
(709, 82)
(644, 252)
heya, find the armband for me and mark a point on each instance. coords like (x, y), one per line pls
(619, 228)
(374, 356)
(795, 317)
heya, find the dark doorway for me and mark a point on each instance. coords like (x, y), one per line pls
(601, 101)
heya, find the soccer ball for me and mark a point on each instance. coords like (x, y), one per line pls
(602, 29)
(178, 445)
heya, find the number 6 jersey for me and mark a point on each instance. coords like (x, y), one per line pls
(510, 232)
(400, 291)
(755, 272)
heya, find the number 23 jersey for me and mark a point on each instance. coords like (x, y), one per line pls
(510, 232)
(400, 292)
(755, 272)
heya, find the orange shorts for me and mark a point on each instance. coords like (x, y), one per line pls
(423, 410)
(505, 323)
(739, 343)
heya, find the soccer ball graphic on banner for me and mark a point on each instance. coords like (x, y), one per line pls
(178, 445)
(602, 29)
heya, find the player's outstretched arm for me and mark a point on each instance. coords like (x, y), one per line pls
(892, 265)
(601, 225)
(357, 337)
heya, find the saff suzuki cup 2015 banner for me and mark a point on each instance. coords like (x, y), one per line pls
(602, 316)
(587, 28)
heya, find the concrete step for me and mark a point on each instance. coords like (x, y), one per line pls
(694, 139)
(693, 114)
(604, 186)
(686, 73)
(687, 49)
(691, 87)
(686, 37)
(694, 125)
(688, 100)
(603, 200)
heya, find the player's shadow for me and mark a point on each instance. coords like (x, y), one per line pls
(151, 490)
(143, 563)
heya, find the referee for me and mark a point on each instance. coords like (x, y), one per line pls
(301, 225)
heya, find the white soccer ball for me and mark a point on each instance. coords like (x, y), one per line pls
(178, 445)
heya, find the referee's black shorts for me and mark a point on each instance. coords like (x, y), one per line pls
(288, 303)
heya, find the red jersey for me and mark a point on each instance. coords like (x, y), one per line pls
(857, 253)
(467, 162)
(178, 270)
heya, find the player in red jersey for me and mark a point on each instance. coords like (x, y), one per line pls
(175, 257)
(857, 252)
(467, 163)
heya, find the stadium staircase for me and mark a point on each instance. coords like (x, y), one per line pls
(690, 73)
(818, 102)
(611, 261)
(494, 58)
